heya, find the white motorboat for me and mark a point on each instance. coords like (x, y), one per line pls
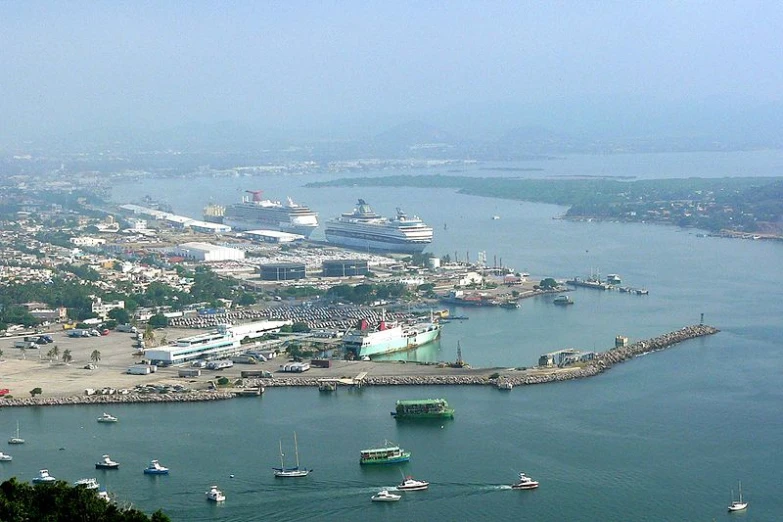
(107, 418)
(104, 495)
(283, 472)
(16, 439)
(411, 484)
(87, 483)
(505, 384)
(4, 457)
(44, 477)
(738, 505)
(156, 469)
(107, 463)
(524, 482)
(215, 495)
(384, 496)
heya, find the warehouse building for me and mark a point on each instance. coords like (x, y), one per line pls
(208, 253)
(345, 267)
(282, 271)
(273, 236)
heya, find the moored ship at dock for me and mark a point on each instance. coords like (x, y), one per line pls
(366, 230)
(423, 409)
(388, 337)
(254, 213)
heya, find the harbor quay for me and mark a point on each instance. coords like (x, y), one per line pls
(367, 373)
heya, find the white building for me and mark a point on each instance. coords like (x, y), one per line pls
(208, 253)
(102, 309)
(273, 236)
(87, 241)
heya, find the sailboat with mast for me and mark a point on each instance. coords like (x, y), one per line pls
(296, 471)
(16, 439)
(737, 505)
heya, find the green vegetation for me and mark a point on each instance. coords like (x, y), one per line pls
(60, 502)
(737, 204)
(367, 293)
(35, 391)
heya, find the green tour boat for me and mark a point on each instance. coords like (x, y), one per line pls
(423, 409)
(389, 454)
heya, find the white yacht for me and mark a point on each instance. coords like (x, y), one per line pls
(87, 483)
(283, 472)
(104, 495)
(44, 477)
(738, 505)
(4, 457)
(524, 482)
(384, 496)
(107, 463)
(156, 469)
(107, 418)
(16, 439)
(411, 484)
(215, 495)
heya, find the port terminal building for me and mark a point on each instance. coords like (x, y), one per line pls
(345, 267)
(282, 271)
(273, 236)
(207, 252)
(224, 341)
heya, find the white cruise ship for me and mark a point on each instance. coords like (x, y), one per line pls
(254, 213)
(365, 230)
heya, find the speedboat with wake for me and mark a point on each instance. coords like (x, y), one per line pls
(384, 496)
(106, 418)
(524, 482)
(156, 469)
(215, 495)
(411, 484)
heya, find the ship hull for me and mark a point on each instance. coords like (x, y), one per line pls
(242, 224)
(360, 243)
(399, 344)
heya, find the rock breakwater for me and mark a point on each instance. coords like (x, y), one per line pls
(118, 399)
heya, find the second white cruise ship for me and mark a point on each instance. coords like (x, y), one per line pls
(364, 229)
(258, 213)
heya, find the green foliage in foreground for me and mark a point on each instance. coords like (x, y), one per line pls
(58, 502)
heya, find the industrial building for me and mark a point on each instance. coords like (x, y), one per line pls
(224, 341)
(282, 271)
(208, 253)
(273, 236)
(345, 267)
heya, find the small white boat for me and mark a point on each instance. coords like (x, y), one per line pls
(411, 484)
(215, 495)
(524, 482)
(104, 495)
(44, 477)
(87, 483)
(4, 457)
(107, 463)
(16, 439)
(384, 496)
(156, 469)
(107, 418)
(737, 505)
(505, 384)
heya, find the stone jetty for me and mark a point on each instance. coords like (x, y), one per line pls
(119, 399)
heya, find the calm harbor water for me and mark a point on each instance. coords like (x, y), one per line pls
(663, 437)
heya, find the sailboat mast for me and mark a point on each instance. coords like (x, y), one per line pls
(282, 464)
(296, 451)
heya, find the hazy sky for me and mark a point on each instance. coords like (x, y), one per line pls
(73, 65)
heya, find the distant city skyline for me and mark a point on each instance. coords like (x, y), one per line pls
(355, 69)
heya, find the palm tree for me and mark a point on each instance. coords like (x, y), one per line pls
(95, 356)
(24, 352)
(55, 352)
(1, 354)
(67, 356)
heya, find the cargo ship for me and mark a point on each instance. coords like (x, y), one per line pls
(423, 409)
(256, 213)
(365, 341)
(364, 229)
(388, 454)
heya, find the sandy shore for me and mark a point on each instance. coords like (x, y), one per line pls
(66, 383)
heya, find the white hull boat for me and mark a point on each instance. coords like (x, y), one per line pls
(385, 496)
(524, 482)
(411, 484)
(215, 495)
(738, 505)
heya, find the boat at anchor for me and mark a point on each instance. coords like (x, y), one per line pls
(283, 472)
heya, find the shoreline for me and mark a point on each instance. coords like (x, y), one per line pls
(457, 377)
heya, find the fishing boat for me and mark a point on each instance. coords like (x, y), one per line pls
(384, 496)
(283, 472)
(215, 495)
(423, 409)
(44, 477)
(563, 300)
(107, 463)
(4, 457)
(16, 439)
(524, 482)
(411, 484)
(737, 505)
(388, 454)
(156, 469)
(107, 418)
(87, 483)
